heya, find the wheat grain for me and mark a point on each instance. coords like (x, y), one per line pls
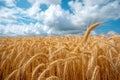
(89, 30)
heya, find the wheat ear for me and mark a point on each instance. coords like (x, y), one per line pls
(89, 30)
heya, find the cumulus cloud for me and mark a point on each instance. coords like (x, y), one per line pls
(33, 11)
(24, 30)
(95, 10)
(55, 17)
(55, 20)
(83, 14)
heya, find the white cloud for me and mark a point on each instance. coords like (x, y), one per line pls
(7, 15)
(32, 11)
(83, 15)
(22, 30)
(95, 10)
(56, 20)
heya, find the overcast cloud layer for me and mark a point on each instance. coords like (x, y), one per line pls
(54, 20)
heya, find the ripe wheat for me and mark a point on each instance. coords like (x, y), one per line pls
(60, 58)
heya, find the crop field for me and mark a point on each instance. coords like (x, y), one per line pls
(60, 58)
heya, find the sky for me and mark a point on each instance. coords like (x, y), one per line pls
(58, 17)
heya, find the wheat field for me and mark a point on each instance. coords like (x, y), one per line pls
(60, 58)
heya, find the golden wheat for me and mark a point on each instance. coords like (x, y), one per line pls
(60, 58)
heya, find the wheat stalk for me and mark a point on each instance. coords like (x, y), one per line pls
(89, 30)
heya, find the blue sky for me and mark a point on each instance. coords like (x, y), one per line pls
(58, 17)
